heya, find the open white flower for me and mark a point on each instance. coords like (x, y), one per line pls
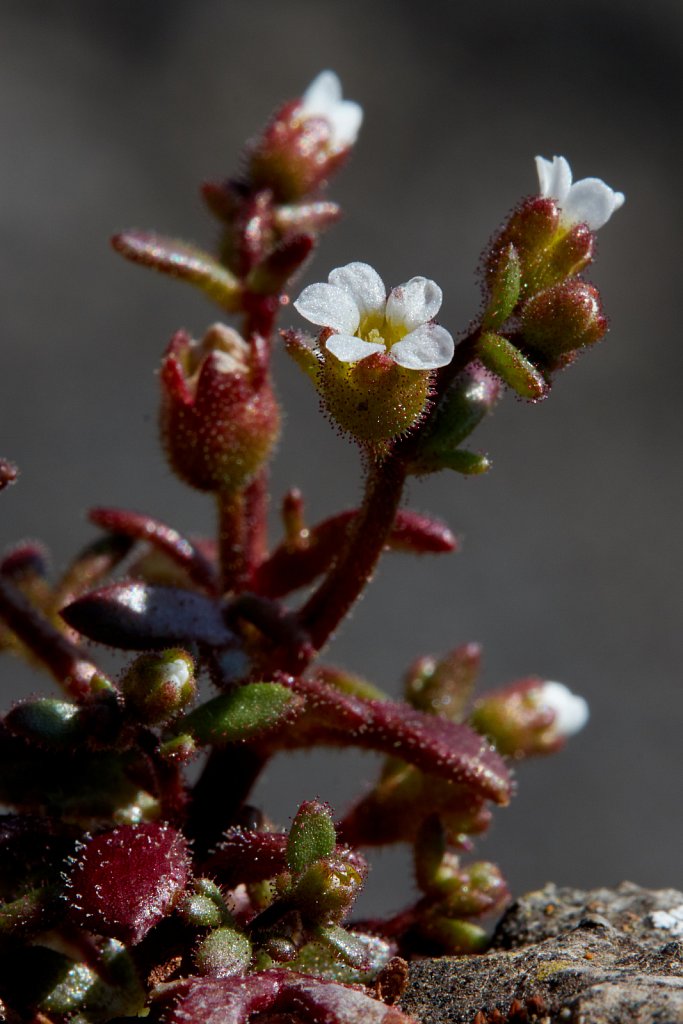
(354, 304)
(571, 711)
(323, 99)
(589, 201)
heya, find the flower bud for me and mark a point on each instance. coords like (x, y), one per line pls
(563, 318)
(549, 249)
(219, 417)
(223, 953)
(443, 687)
(306, 141)
(328, 888)
(530, 717)
(157, 687)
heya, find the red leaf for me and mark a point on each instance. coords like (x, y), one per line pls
(163, 538)
(127, 880)
(289, 568)
(308, 999)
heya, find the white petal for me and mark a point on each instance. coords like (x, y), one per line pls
(414, 302)
(554, 177)
(363, 284)
(544, 171)
(346, 119)
(592, 202)
(322, 94)
(328, 306)
(426, 348)
(350, 349)
(571, 711)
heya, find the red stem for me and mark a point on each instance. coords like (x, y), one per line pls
(63, 659)
(340, 589)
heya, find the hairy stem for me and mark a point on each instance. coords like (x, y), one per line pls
(341, 588)
(231, 531)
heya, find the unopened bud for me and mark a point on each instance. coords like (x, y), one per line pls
(530, 717)
(443, 687)
(157, 687)
(306, 141)
(328, 888)
(223, 953)
(549, 249)
(219, 417)
(563, 318)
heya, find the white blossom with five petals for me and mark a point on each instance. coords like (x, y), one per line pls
(589, 201)
(323, 99)
(365, 321)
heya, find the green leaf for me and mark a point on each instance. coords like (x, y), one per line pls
(501, 357)
(505, 289)
(183, 260)
(241, 715)
(311, 837)
(461, 461)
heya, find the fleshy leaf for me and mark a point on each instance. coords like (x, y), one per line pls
(289, 568)
(278, 992)
(164, 538)
(243, 714)
(244, 855)
(505, 289)
(126, 880)
(438, 747)
(138, 616)
(501, 357)
(312, 835)
(180, 259)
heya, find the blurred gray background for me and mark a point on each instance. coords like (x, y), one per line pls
(572, 556)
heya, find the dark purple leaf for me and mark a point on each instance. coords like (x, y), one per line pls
(138, 616)
(244, 855)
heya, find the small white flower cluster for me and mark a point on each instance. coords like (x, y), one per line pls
(571, 711)
(323, 99)
(589, 201)
(365, 321)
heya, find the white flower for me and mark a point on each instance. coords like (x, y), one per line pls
(354, 304)
(323, 99)
(571, 711)
(589, 201)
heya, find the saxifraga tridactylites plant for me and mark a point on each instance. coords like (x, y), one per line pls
(126, 891)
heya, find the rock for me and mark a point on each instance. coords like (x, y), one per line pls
(607, 956)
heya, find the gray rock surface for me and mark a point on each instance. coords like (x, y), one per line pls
(605, 956)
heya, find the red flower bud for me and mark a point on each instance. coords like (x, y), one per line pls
(563, 318)
(549, 250)
(219, 417)
(306, 141)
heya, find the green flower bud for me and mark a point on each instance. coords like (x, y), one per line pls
(158, 687)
